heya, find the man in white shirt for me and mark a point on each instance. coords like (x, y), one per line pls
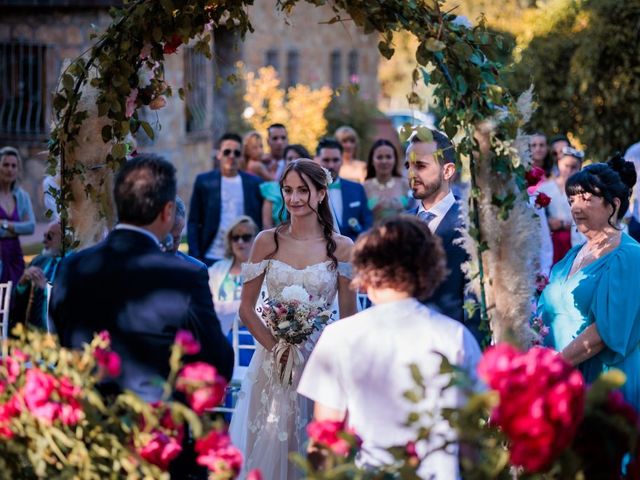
(219, 197)
(359, 369)
(431, 166)
(277, 139)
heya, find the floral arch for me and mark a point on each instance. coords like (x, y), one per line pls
(95, 91)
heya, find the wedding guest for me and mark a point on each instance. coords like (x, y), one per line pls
(556, 144)
(225, 280)
(29, 303)
(218, 197)
(540, 152)
(16, 216)
(139, 294)
(559, 211)
(591, 305)
(254, 160)
(633, 155)
(273, 207)
(359, 370)
(277, 139)
(175, 235)
(387, 191)
(352, 168)
(431, 166)
(347, 199)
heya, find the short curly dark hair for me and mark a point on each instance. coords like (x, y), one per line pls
(400, 253)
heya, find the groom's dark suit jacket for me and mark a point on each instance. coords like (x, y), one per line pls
(142, 296)
(449, 297)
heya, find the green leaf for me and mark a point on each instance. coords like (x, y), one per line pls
(148, 130)
(107, 133)
(424, 134)
(462, 84)
(59, 102)
(434, 45)
(119, 150)
(67, 82)
(416, 374)
(405, 132)
(385, 49)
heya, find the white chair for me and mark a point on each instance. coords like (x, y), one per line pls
(5, 301)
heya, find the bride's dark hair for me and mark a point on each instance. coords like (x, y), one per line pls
(318, 177)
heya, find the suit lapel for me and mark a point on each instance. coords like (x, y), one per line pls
(450, 221)
(345, 205)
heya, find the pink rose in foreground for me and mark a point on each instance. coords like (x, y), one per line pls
(202, 385)
(160, 450)
(37, 392)
(105, 337)
(327, 432)
(254, 475)
(541, 402)
(108, 362)
(189, 345)
(217, 454)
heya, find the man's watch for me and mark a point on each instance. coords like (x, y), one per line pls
(5, 225)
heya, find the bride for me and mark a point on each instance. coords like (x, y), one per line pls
(270, 418)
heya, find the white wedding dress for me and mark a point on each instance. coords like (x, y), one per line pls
(269, 419)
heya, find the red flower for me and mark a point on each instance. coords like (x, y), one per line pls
(37, 392)
(542, 200)
(171, 46)
(203, 386)
(254, 475)
(217, 454)
(108, 362)
(187, 342)
(160, 450)
(329, 433)
(534, 176)
(541, 402)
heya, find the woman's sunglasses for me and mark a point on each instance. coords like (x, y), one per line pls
(246, 238)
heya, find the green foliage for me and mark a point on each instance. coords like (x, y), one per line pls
(585, 64)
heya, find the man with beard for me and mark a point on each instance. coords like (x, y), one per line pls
(431, 166)
(29, 303)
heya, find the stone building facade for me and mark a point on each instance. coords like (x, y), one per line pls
(37, 36)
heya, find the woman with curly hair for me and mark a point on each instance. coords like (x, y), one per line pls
(359, 369)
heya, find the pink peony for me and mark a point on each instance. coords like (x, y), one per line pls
(541, 402)
(160, 450)
(108, 362)
(327, 432)
(37, 392)
(254, 475)
(187, 342)
(202, 385)
(217, 454)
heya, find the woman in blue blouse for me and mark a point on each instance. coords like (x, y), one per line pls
(592, 305)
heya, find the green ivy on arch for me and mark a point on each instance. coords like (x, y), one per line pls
(460, 62)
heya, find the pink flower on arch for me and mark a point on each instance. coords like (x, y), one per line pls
(216, 452)
(187, 342)
(327, 433)
(160, 450)
(108, 362)
(203, 386)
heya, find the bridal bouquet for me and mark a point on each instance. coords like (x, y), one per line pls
(292, 317)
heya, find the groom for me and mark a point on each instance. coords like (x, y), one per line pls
(431, 166)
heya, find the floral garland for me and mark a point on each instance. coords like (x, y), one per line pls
(144, 32)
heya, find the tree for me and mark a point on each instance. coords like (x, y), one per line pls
(584, 62)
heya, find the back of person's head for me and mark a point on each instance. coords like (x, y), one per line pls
(402, 254)
(300, 150)
(328, 142)
(230, 136)
(447, 153)
(611, 180)
(143, 186)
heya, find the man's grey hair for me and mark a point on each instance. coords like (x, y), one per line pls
(181, 209)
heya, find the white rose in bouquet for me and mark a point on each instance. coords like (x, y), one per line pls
(294, 293)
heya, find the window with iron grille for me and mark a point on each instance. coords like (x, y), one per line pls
(293, 68)
(195, 74)
(352, 67)
(335, 68)
(22, 90)
(271, 59)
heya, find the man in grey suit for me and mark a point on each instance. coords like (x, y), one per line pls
(431, 166)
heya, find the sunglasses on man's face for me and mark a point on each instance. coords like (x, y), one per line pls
(246, 238)
(227, 152)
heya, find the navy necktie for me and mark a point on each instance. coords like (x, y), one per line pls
(426, 217)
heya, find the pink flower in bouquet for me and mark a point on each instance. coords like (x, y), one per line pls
(541, 402)
(202, 385)
(108, 362)
(160, 450)
(217, 454)
(254, 475)
(327, 432)
(187, 342)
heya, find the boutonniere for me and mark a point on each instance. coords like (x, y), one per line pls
(354, 224)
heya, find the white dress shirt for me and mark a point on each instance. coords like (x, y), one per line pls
(232, 206)
(440, 209)
(336, 203)
(360, 366)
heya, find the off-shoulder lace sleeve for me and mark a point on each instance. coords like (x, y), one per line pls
(253, 270)
(345, 270)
